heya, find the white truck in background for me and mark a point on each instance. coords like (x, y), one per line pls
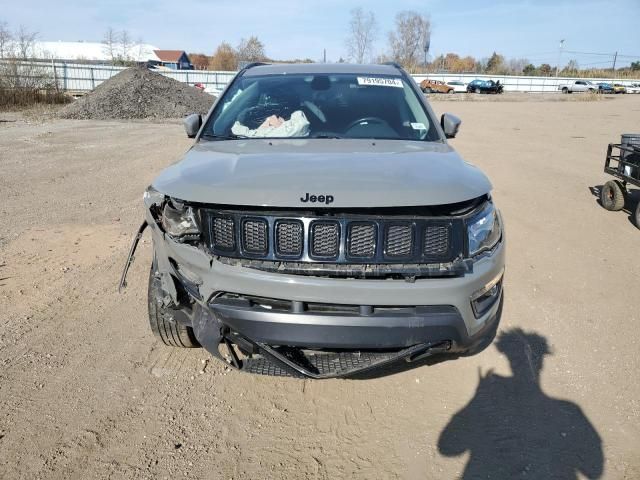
(578, 86)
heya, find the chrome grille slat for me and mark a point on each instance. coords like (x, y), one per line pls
(224, 233)
(325, 239)
(254, 236)
(289, 237)
(399, 240)
(436, 240)
(362, 240)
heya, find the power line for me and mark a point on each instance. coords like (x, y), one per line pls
(590, 53)
(602, 54)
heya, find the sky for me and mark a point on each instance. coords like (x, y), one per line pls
(299, 29)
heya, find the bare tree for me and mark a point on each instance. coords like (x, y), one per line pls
(23, 80)
(24, 44)
(251, 50)
(126, 43)
(110, 42)
(119, 47)
(516, 65)
(5, 39)
(362, 33)
(407, 41)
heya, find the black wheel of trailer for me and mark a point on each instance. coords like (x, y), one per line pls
(161, 320)
(636, 215)
(612, 195)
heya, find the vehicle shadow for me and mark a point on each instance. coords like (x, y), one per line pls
(512, 429)
(630, 204)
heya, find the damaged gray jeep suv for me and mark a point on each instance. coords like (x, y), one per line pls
(322, 226)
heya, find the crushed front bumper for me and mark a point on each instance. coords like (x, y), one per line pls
(323, 327)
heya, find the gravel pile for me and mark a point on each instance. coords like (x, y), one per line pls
(139, 93)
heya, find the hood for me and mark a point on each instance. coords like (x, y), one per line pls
(353, 173)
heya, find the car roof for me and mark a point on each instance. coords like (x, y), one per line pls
(326, 68)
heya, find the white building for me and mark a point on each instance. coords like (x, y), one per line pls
(94, 52)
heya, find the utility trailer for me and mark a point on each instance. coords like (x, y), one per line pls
(623, 163)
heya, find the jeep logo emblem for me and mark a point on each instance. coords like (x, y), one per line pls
(326, 199)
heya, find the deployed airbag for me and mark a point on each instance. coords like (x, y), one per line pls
(296, 126)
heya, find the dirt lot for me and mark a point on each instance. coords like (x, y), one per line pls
(86, 391)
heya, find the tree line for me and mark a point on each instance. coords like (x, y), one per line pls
(406, 44)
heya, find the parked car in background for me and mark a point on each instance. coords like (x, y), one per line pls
(578, 86)
(633, 88)
(458, 86)
(619, 88)
(484, 86)
(435, 86)
(605, 87)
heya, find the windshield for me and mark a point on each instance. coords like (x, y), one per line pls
(320, 106)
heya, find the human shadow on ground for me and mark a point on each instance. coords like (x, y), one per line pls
(512, 429)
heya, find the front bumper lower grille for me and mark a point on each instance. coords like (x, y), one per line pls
(338, 239)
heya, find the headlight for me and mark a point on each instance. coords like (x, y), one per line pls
(484, 230)
(179, 220)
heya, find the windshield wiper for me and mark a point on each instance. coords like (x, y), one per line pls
(231, 136)
(326, 135)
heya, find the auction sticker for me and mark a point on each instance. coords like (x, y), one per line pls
(380, 82)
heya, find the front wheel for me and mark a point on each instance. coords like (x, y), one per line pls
(477, 90)
(612, 195)
(636, 215)
(163, 325)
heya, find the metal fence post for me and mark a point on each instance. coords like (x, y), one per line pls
(55, 75)
(93, 80)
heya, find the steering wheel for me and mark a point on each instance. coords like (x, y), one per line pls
(374, 120)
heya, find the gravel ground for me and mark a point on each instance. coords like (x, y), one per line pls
(139, 93)
(86, 391)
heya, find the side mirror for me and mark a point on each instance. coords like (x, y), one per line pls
(450, 124)
(192, 124)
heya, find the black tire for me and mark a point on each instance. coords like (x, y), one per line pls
(168, 331)
(477, 90)
(612, 195)
(636, 215)
(565, 90)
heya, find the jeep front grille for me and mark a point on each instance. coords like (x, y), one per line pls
(334, 239)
